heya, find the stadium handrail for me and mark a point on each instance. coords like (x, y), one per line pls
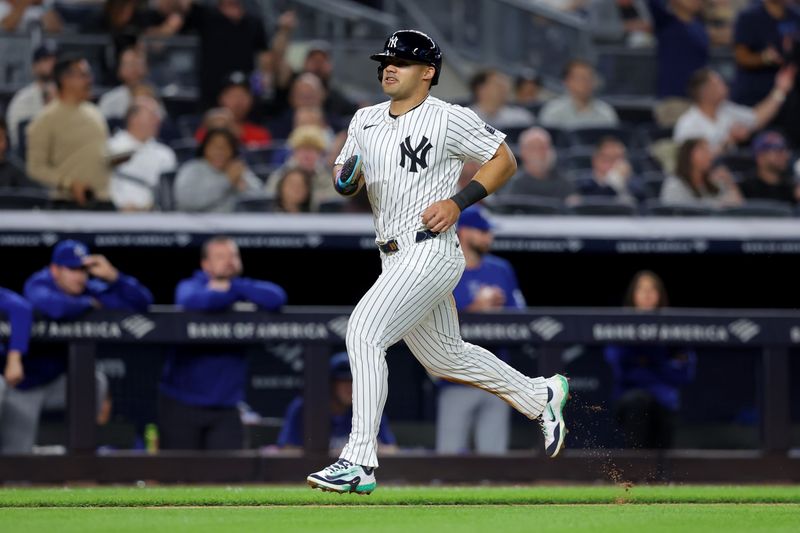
(320, 329)
(514, 233)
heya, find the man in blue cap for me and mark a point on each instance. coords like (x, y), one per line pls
(75, 282)
(291, 435)
(772, 177)
(487, 285)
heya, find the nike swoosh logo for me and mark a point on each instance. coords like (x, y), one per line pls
(552, 414)
(339, 476)
(368, 126)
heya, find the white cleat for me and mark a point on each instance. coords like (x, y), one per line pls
(552, 419)
(343, 476)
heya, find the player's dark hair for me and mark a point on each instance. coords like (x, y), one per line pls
(63, 65)
(696, 82)
(663, 301)
(3, 125)
(226, 134)
(216, 239)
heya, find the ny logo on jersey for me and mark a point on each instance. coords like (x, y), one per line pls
(417, 156)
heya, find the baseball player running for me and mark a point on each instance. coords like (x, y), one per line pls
(409, 152)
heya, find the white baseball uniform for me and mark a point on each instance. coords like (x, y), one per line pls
(410, 162)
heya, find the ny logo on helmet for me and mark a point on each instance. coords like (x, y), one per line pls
(393, 42)
(417, 156)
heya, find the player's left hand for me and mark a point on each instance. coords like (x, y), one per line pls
(441, 215)
(100, 267)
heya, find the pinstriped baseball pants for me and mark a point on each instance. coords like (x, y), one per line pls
(412, 300)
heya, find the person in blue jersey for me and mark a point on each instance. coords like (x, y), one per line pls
(648, 377)
(466, 414)
(19, 314)
(74, 283)
(201, 386)
(291, 435)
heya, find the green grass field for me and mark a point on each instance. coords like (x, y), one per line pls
(401, 509)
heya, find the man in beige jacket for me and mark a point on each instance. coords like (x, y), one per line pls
(67, 140)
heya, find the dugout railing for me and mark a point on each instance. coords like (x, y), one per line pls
(774, 332)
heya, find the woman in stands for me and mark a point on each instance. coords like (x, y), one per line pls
(293, 193)
(216, 178)
(697, 181)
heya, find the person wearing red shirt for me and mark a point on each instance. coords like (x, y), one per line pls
(236, 97)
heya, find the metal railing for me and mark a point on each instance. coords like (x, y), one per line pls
(318, 329)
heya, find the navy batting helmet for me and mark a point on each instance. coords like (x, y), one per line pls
(411, 45)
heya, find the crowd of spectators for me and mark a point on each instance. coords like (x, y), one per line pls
(92, 134)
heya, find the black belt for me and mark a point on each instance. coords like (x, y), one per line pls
(391, 246)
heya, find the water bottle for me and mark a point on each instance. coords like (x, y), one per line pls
(151, 438)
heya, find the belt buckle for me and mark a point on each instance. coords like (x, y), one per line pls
(389, 247)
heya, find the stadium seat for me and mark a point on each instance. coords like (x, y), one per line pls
(656, 208)
(526, 205)
(651, 183)
(759, 208)
(602, 206)
(560, 138)
(188, 124)
(332, 206)
(590, 136)
(512, 134)
(255, 203)
(165, 191)
(269, 155)
(22, 136)
(185, 149)
(742, 162)
(23, 199)
(647, 134)
(577, 159)
(642, 161)
(263, 172)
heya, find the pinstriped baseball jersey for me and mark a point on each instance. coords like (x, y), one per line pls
(411, 162)
(415, 159)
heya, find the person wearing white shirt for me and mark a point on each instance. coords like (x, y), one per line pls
(21, 15)
(132, 72)
(145, 159)
(579, 108)
(719, 121)
(28, 101)
(491, 91)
